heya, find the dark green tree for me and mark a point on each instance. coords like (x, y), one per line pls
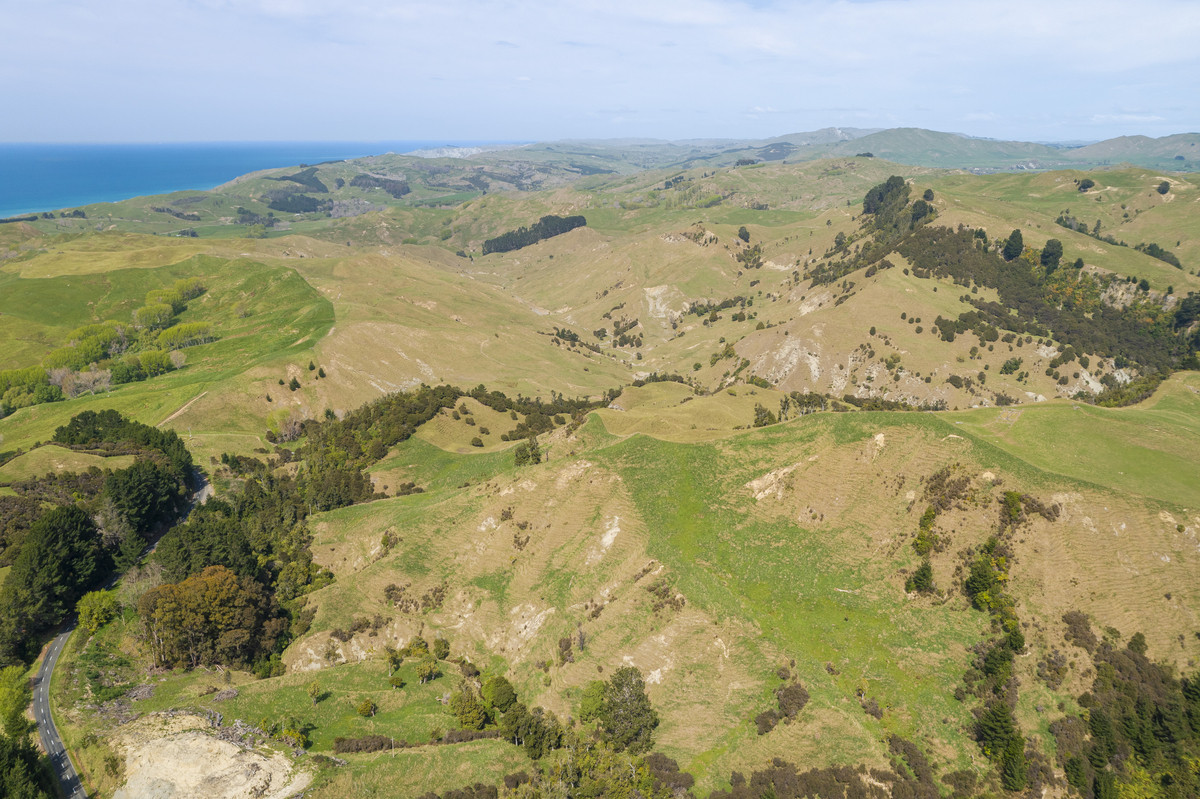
(212, 536)
(146, 493)
(763, 416)
(537, 731)
(744, 234)
(1014, 246)
(498, 693)
(527, 453)
(1051, 255)
(1014, 771)
(627, 719)
(921, 580)
(1164, 187)
(997, 729)
(129, 552)
(893, 191)
(921, 210)
(20, 775)
(60, 559)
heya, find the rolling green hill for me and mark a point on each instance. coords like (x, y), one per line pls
(805, 388)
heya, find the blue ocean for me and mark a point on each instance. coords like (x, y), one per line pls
(47, 177)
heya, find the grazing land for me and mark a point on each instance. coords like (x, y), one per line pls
(617, 470)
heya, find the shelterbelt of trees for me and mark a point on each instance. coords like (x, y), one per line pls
(98, 356)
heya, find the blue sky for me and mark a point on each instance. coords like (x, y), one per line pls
(246, 70)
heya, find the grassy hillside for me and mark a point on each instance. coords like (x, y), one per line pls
(52, 458)
(786, 546)
(720, 558)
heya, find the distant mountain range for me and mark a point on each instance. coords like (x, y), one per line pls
(915, 146)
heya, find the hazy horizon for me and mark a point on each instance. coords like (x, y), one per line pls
(182, 71)
(435, 142)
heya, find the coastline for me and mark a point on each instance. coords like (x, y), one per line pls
(37, 178)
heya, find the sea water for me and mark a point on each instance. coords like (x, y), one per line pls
(48, 177)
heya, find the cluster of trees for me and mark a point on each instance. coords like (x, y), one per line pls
(60, 559)
(1065, 219)
(887, 203)
(527, 453)
(763, 416)
(546, 227)
(297, 204)
(245, 217)
(990, 676)
(708, 308)
(493, 707)
(1139, 333)
(188, 334)
(1141, 729)
(911, 777)
(1045, 299)
(258, 535)
(336, 451)
(592, 769)
(306, 178)
(791, 697)
(21, 775)
(17, 515)
(394, 187)
(20, 388)
(887, 218)
(210, 617)
(1155, 251)
(70, 548)
(100, 355)
(258, 532)
(185, 216)
(880, 404)
(107, 428)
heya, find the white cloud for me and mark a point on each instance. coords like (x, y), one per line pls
(1104, 119)
(234, 68)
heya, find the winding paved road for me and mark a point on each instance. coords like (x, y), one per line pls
(69, 783)
(64, 769)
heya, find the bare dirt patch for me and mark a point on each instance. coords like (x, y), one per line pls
(176, 758)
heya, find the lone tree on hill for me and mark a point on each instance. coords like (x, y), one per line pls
(1014, 246)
